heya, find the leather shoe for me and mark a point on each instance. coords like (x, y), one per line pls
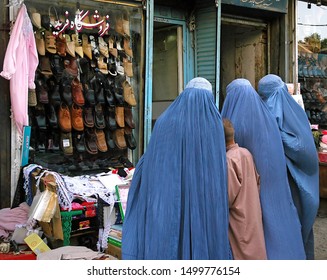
(64, 117)
(66, 90)
(128, 117)
(129, 138)
(77, 92)
(119, 138)
(99, 120)
(52, 116)
(88, 117)
(79, 142)
(111, 118)
(110, 140)
(128, 94)
(77, 119)
(90, 141)
(119, 116)
(101, 140)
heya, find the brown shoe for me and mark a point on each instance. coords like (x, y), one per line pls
(119, 116)
(71, 66)
(127, 48)
(61, 45)
(65, 123)
(77, 119)
(66, 143)
(40, 44)
(101, 140)
(90, 141)
(128, 94)
(45, 66)
(128, 117)
(36, 20)
(88, 117)
(77, 92)
(50, 42)
(119, 138)
(78, 45)
(87, 49)
(70, 45)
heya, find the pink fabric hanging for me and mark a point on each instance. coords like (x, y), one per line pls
(19, 66)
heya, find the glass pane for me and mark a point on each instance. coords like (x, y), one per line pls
(88, 84)
(312, 60)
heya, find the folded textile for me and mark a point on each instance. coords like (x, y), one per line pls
(10, 217)
(70, 253)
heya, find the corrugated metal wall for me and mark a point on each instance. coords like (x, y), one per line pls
(205, 40)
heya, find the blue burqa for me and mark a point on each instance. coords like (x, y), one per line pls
(300, 151)
(177, 205)
(257, 130)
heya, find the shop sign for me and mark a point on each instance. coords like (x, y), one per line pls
(79, 23)
(270, 5)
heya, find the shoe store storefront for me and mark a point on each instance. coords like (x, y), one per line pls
(84, 82)
(105, 71)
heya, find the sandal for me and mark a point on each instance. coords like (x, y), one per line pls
(70, 45)
(78, 45)
(50, 42)
(103, 47)
(40, 44)
(61, 45)
(103, 67)
(87, 49)
(94, 46)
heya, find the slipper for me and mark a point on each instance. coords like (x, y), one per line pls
(50, 42)
(103, 47)
(40, 44)
(87, 49)
(78, 45)
(70, 45)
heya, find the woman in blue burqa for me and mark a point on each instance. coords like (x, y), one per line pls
(177, 204)
(300, 152)
(257, 130)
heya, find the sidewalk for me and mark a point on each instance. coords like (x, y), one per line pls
(320, 231)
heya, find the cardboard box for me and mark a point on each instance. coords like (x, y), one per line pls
(36, 244)
(113, 251)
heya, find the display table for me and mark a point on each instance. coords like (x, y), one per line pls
(26, 255)
(323, 179)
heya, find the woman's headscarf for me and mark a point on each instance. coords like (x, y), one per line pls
(300, 151)
(177, 205)
(256, 130)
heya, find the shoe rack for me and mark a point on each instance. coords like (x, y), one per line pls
(312, 74)
(82, 110)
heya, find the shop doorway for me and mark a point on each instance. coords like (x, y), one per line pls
(168, 70)
(244, 52)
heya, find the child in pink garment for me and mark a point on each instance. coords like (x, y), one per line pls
(19, 66)
(246, 235)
